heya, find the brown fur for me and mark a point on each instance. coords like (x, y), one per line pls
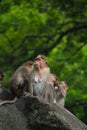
(19, 82)
(40, 73)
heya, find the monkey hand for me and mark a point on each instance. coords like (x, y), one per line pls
(26, 94)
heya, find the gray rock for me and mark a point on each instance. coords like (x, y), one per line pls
(31, 114)
(5, 94)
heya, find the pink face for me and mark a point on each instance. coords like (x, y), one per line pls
(63, 85)
(40, 63)
(30, 64)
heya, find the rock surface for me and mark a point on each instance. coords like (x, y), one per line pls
(31, 114)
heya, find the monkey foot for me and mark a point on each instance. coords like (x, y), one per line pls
(28, 94)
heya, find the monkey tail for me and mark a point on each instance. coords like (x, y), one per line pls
(8, 101)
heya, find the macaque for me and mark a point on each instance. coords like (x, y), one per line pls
(19, 82)
(54, 91)
(1, 79)
(48, 93)
(60, 91)
(39, 74)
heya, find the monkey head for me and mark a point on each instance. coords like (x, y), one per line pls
(28, 63)
(63, 85)
(1, 76)
(40, 62)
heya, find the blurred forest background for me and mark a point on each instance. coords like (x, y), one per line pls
(57, 29)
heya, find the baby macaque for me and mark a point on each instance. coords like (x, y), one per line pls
(57, 92)
(60, 90)
(39, 74)
(20, 82)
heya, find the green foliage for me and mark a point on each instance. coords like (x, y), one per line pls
(56, 29)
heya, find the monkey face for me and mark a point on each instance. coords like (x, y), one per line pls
(37, 63)
(63, 85)
(28, 63)
(40, 62)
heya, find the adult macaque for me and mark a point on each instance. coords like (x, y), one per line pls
(39, 74)
(19, 82)
(48, 93)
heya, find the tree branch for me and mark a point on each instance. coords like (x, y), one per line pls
(62, 34)
(77, 103)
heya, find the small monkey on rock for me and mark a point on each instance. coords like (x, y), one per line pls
(54, 91)
(60, 90)
(20, 82)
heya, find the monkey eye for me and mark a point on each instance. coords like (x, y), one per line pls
(30, 63)
(37, 59)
